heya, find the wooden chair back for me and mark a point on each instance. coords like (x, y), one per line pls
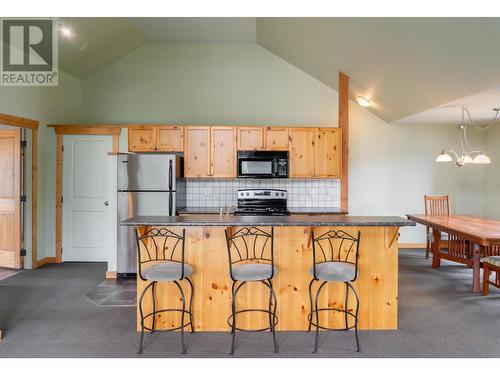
(439, 206)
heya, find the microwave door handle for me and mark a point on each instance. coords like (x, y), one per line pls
(275, 167)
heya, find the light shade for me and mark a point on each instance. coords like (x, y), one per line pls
(481, 159)
(443, 157)
(362, 101)
(464, 159)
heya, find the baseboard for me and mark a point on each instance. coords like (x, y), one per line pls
(110, 274)
(412, 245)
(45, 260)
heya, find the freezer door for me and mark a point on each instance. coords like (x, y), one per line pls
(147, 172)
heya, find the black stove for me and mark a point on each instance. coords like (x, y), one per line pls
(262, 202)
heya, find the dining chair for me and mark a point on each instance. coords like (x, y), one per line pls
(490, 262)
(438, 206)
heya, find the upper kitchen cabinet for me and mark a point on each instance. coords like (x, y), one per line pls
(328, 157)
(250, 138)
(149, 138)
(223, 156)
(141, 138)
(302, 152)
(197, 151)
(276, 139)
(170, 138)
(262, 138)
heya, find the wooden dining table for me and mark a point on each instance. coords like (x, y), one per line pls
(467, 236)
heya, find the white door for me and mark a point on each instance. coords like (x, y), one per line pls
(87, 219)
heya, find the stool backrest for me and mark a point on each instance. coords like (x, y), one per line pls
(159, 244)
(336, 246)
(250, 245)
(437, 205)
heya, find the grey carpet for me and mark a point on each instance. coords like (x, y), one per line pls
(46, 314)
(7, 272)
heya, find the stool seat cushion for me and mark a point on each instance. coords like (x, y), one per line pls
(253, 271)
(334, 271)
(495, 260)
(166, 271)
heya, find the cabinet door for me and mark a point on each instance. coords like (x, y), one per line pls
(276, 138)
(250, 138)
(302, 152)
(170, 138)
(141, 138)
(223, 158)
(328, 153)
(197, 151)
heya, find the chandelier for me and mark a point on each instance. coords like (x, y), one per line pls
(462, 151)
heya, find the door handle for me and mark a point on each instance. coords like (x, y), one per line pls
(106, 203)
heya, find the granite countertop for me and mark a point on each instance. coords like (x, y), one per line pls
(290, 221)
(293, 210)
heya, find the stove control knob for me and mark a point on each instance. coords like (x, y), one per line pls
(248, 194)
(282, 194)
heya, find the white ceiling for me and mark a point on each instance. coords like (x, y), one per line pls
(236, 30)
(480, 106)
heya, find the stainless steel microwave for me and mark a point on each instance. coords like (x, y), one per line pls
(263, 164)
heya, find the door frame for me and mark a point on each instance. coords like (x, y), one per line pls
(61, 130)
(20, 122)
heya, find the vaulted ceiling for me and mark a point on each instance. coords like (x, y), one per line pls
(413, 70)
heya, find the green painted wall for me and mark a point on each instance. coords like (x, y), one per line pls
(47, 105)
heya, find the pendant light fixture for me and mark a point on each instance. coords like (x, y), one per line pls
(462, 151)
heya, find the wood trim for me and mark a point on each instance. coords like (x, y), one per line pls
(86, 130)
(344, 125)
(19, 122)
(59, 168)
(45, 261)
(110, 274)
(412, 245)
(34, 198)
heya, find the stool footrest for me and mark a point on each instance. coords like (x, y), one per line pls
(274, 316)
(309, 318)
(150, 329)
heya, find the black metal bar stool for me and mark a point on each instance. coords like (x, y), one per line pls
(251, 259)
(161, 259)
(335, 259)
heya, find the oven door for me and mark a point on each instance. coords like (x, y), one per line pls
(257, 167)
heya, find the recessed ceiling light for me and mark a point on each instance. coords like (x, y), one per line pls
(66, 31)
(362, 101)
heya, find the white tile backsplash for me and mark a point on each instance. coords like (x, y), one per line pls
(301, 193)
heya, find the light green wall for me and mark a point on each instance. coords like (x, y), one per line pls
(492, 175)
(47, 105)
(391, 166)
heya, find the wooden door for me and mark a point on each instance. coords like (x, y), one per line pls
(170, 138)
(250, 138)
(87, 217)
(328, 158)
(276, 139)
(10, 198)
(302, 152)
(197, 151)
(142, 138)
(223, 157)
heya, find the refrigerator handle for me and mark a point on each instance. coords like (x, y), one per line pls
(170, 203)
(170, 176)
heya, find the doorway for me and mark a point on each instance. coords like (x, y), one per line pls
(10, 198)
(87, 220)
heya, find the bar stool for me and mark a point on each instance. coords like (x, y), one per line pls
(161, 259)
(335, 259)
(251, 259)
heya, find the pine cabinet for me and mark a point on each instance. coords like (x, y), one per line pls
(150, 138)
(141, 138)
(262, 138)
(223, 155)
(328, 156)
(302, 141)
(197, 151)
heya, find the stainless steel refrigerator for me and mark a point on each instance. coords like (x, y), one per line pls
(148, 184)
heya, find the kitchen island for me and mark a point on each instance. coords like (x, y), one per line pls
(206, 251)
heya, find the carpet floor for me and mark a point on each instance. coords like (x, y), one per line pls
(46, 313)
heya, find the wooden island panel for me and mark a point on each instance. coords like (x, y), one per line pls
(377, 283)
